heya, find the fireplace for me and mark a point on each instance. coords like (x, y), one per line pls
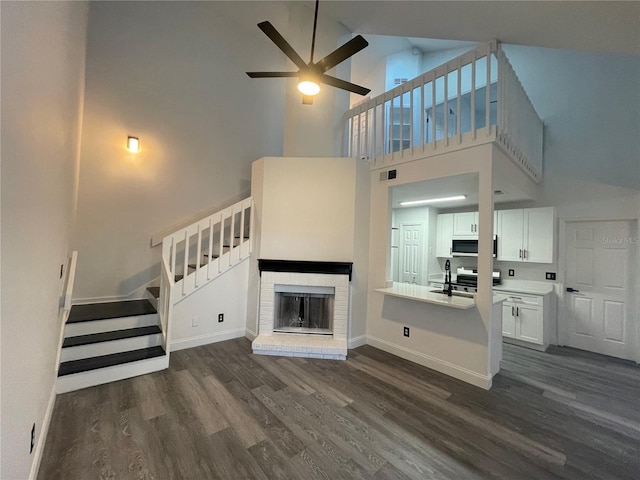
(303, 309)
(300, 309)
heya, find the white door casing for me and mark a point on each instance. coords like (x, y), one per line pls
(599, 314)
(411, 248)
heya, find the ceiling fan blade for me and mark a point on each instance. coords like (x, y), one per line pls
(271, 32)
(343, 84)
(342, 53)
(272, 74)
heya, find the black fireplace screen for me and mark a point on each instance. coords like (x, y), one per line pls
(303, 312)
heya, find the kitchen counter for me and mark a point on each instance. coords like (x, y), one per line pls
(523, 286)
(424, 294)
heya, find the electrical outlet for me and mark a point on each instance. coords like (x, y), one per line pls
(512, 272)
(195, 322)
(220, 317)
(406, 331)
(550, 275)
(33, 438)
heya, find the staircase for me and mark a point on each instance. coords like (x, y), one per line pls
(106, 342)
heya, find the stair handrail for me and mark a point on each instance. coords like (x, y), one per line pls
(225, 226)
(158, 238)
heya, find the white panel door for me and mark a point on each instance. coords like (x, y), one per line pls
(599, 311)
(411, 252)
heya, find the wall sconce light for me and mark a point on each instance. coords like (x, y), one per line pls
(133, 144)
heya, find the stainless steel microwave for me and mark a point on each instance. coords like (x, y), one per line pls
(468, 247)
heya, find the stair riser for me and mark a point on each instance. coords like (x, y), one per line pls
(152, 300)
(90, 378)
(109, 325)
(106, 348)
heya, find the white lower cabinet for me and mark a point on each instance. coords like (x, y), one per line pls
(523, 318)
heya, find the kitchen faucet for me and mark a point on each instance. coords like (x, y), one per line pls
(447, 279)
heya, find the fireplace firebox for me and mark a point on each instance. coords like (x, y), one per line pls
(303, 309)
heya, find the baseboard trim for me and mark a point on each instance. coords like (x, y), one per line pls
(250, 334)
(356, 342)
(200, 340)
(44, 429)
(455, 371)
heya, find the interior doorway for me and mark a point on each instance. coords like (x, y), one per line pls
(599, 305)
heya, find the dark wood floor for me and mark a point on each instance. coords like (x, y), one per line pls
(220, 412)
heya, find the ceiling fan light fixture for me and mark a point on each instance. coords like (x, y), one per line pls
(308, 87)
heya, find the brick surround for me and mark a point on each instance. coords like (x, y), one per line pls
(269, 342)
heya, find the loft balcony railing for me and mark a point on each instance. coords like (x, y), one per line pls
(474, 98)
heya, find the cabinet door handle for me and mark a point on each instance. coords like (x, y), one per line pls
(520, 254)
(517, 311)
(512, 312)
(472, 227)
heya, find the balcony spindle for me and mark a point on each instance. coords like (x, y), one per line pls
(459, 105)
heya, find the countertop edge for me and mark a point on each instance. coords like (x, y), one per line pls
(390, 291)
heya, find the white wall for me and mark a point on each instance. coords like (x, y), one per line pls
(172, 73)
(315, 130)
(43, 52)
(308, 208)
(402, 64)
(360, 278)
(227, 295)
(312, 209)
(452, 341)
(591, 149)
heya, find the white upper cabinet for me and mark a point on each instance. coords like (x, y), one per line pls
(526, 235)
(510, 235)
(444, 235)
(538, 233)
(465, 224)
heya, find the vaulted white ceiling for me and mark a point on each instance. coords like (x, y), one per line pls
(600, 26)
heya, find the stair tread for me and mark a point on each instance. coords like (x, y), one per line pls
(193, 265)
(154, 291)
(103, 311)
(110, 336)
(93, 363)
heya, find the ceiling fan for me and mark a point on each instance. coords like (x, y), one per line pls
(312, 73)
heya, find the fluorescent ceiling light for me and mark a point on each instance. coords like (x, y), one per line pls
(434, 200)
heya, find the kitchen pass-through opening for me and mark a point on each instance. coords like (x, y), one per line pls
(303, 309)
